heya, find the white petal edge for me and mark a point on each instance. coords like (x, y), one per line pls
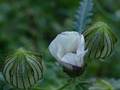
(63, 43)
(72, 59)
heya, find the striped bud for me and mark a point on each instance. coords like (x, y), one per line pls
(23, 69)
(100, 40)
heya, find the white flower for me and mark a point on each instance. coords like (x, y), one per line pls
(69, 49)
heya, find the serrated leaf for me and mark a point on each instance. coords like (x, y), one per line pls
(84, 12)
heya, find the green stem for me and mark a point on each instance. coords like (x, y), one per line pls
(84, 82)
(66, 85)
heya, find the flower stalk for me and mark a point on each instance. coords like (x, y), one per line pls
(66, 85)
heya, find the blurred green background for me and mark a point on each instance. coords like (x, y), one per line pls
(33, 24)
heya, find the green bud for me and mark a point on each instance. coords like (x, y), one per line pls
(100, 40)
(23, 69)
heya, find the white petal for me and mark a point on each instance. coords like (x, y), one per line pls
(66, 65)
(69, 41)
(81, 46)
(56, 50)
(72, 59)
(64, 43)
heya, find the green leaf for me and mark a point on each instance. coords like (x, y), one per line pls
(101, 85)
(84, 12)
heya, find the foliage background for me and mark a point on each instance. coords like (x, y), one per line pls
(33, 24)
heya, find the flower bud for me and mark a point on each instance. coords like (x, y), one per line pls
(100, 40)
(68, 48)
(23, 69)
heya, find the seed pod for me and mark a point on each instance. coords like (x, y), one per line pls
(100, 40)
(23, 69)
